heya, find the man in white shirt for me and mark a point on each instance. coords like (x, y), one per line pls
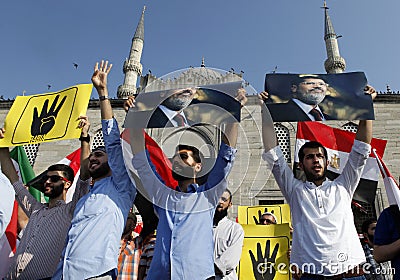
(325, 242)
(228, 240)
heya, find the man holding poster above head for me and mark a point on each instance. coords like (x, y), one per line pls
(325, 240)
(313, 98)
(180, 254)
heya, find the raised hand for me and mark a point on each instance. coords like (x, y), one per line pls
(241, 96)
(262, 97)
(264, 266)
(99, 77)
(370, 91)
(84, 124)
(129, 103)
(43, 123)
(2, 131)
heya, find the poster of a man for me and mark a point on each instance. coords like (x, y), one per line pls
(184, 107)
(318, 97)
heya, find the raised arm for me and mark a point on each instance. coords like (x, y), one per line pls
(99, 80)
(230, 134)
(364, 131)
(25, 199)
(84, 124)
(268, 130)
(136, 133)
(6, 164)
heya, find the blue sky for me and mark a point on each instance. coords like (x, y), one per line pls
(42, 39)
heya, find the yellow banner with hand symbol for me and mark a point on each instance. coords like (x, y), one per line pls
(46, 117)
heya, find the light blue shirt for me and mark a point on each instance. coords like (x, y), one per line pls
(93, 240)
(184, 246)
(6, 202)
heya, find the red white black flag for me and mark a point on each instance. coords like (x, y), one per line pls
(338, 144)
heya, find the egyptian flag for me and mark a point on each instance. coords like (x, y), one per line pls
(74, 161)
(391, 186)
(338, 144)
(158, 158)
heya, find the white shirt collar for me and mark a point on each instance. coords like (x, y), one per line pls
(307, 108)
(171, 114)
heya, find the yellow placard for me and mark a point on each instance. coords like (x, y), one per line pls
(46, 117)
(248, 215)
(265, 253)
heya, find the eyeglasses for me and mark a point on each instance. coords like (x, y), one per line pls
(55, 178)
(267, 221)
(320, 84)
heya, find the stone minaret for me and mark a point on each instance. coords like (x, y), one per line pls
(334, 63)
(132, 66)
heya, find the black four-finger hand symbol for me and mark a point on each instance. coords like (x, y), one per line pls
(264, 266)
(43, 123)
(258, 222)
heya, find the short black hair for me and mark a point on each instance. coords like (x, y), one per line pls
(66, 170)
(197, 155)
(311, 145)
(366, 223)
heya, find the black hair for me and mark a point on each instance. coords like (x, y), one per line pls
(197, 155)
(366, 223)
(133, 217)
(311, 145)
(66, 170)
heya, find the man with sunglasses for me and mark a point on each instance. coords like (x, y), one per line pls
(268, 218)
(41, 245)
(92, 245)
(184, 247)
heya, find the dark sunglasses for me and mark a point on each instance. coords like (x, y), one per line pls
(267, 221)
(55, 178)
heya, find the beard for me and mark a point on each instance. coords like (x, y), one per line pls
(310, 98)
(179, 177)
(100, 171)
(177, 103)
(311, 177)
(56, 191)
(219, 215)
(185, 172)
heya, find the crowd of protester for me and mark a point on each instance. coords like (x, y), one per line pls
(93, 237)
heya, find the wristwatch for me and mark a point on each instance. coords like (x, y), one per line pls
(85, 138)
(104, 97)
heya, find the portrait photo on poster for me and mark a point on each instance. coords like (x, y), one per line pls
(185, 107)
(318, 97)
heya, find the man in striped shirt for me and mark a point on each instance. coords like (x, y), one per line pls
(40, 248)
